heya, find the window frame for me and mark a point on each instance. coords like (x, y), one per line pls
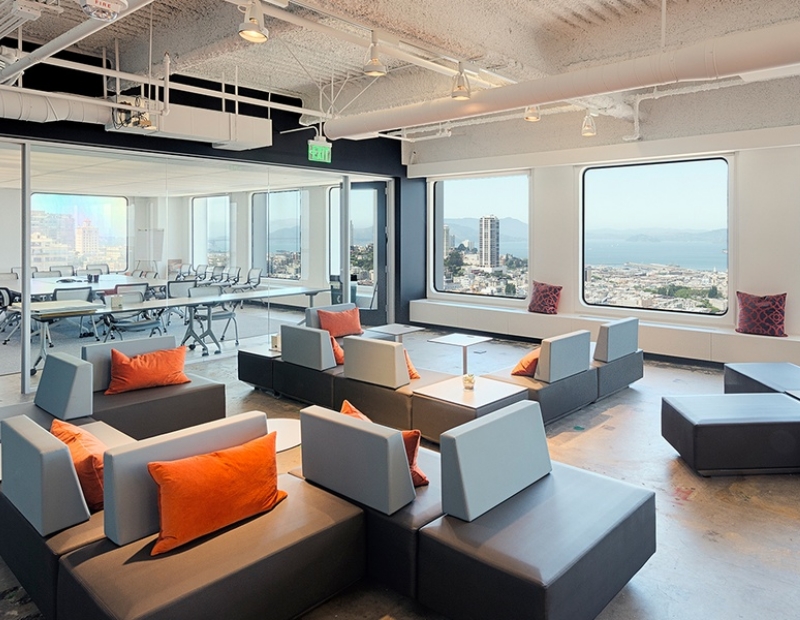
(681, 315)
(434, 242)
(303, 276)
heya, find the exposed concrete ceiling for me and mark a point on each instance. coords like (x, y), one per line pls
(503, 42)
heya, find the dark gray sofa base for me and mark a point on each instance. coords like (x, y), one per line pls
(155, 411)
(535, 557)
(559, 398)
(305, 384)
(34, 559)
(256, 369)
(727, 434)
(618, 374)
(271, 567)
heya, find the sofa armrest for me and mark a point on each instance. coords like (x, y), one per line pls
(617, 339)
(564, 356)
(375, 361)
(307, 346)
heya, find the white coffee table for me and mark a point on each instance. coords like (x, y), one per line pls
(461, 340)
(440, 406)
(288, 432)
(398, 330)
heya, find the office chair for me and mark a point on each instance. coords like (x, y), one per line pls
(84, 293)
(64, 270)
(103, 267)
(178, 288)
(216, 310)
(123, 320)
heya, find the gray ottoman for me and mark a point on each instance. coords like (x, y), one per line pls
(726, 434)
(761, 377)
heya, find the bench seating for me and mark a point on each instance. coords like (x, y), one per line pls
(753, 377)
(152, 411)
(551, 546)
(728, 434)
(617, 357)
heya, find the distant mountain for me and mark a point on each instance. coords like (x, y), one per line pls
(657, 235)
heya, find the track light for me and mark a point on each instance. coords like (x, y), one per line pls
(252, 28)
(374, 67)
(588, 129)
(461, 89)
(532, 114)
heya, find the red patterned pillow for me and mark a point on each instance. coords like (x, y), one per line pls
(763, 316)
(544, 298)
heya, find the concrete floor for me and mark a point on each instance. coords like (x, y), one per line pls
(728, 547)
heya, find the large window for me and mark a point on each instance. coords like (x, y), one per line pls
(79, 230)
(211, 230)
(656, 236)
(481, 236)
(277, 232)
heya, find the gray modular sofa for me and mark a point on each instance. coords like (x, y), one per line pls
(617, 357)
(564, 380)
(524, 538)
(152, 411)
(272, 566)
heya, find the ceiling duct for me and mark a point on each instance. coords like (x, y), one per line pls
(731, 55)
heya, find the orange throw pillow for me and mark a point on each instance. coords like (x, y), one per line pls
(147, 370)
(338, 324)
(527, 365)
(412, 372)
(348, 409)
(338, 352)
(87, 455)
(411, 442)
(202, 494)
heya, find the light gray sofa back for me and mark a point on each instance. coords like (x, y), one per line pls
(65, 388)
(131, 495)
(360, 460)
(307, 346)
(39, 477)
(617, 339)
(375, 361)
(564, 356)
(312, 318)
(487, 460)
(99, 355)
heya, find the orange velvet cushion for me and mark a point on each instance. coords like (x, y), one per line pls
(412, 372)
(87, 455)
(526, 367)
(338, 324)
(410, 442)
(338, 352)
(202, 494)
(147, 370)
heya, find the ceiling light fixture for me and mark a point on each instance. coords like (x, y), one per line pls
(374, 67)
(461, 89)
(588, 129)
(532, 114)
(252, 29)
(103, 10)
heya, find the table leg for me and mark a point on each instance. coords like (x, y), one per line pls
(190, 333)
(464, 359)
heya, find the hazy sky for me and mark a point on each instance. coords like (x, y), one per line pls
(106, 213)
(501, 196)
(683, 195)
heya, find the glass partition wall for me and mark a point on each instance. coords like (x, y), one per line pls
(158, 214)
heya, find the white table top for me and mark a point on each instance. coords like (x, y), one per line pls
(460, 340)
(394, 329)
(486, 391)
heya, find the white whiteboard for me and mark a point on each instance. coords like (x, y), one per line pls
(149, 244)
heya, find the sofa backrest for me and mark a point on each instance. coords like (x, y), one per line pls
(563, 356)
(131, 495)
(65, 388)
(360, 460)
(312, 318)
(375, 361)
(307, 346)
(99, 355)
(489, 459)
(617, 339)
(39, 477)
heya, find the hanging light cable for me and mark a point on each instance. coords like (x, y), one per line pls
(374, 67)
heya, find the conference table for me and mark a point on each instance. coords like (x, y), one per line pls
(45, 312)
(44, 287)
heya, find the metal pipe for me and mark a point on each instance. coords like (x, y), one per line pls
(25, 317)
(167, 64)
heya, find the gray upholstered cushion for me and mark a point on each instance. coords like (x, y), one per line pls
(99, 355)
(486, 461)
(360, 460)
(39, 477)
(375, 361)
(307, 346)
(131, 498)
(617, 339)
(65, 388)
(563, 356)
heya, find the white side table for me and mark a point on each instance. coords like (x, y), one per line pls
(461, 340)
(398, 330)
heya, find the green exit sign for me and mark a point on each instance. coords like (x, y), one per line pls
(319, 150)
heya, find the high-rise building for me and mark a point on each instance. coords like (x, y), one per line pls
(87, 239)
(489, 242)
(448, 240)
